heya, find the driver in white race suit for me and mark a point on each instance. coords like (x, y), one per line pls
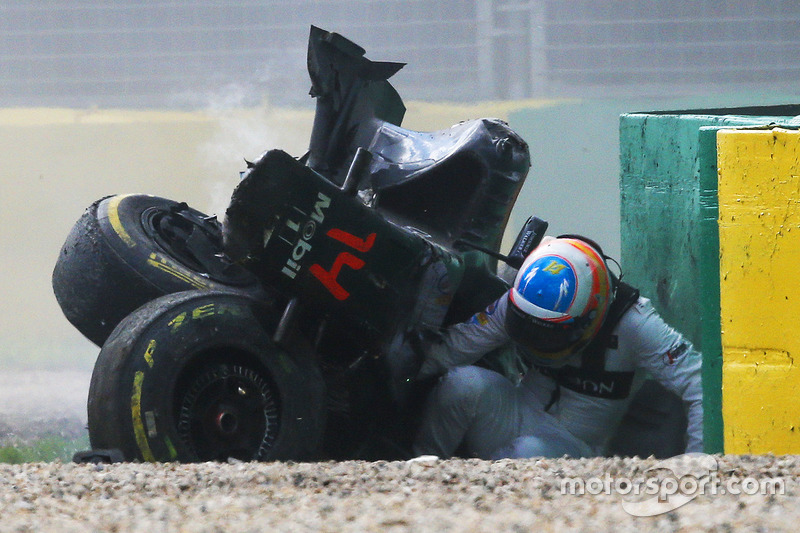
(588, 340)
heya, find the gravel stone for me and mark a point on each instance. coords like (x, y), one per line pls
(421, 495)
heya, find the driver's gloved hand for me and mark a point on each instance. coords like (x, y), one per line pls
(428, 347)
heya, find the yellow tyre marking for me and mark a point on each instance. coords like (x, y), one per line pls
(176, 322)
(138, 426)
(203, 311)
(173, 453)
(161, 264)
(148, 353)
(116, 223)
(234, 310)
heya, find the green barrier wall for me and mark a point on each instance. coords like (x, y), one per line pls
(668, 225)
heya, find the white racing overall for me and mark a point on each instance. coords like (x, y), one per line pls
(484, 414)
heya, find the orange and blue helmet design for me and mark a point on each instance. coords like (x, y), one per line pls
(560, 299)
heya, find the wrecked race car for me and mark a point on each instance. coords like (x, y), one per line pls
(285, 331)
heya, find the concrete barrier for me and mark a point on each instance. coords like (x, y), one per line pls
(670, 236)
(759, 234)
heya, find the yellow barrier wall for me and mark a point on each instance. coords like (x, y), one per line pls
(759, 230)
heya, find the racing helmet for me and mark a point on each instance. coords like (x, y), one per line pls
(559, 300)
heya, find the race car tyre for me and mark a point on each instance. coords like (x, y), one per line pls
(195, 376)
(128, 249)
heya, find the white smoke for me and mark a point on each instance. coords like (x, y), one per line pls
(247, 125)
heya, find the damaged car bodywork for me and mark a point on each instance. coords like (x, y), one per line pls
(378, 231)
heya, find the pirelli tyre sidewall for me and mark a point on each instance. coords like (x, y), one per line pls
(164, 365)
(115, 260)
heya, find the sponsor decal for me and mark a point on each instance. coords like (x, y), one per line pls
(304, 232)
(675, 352)
(482, 318)
(329, 277)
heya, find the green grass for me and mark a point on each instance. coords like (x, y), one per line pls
(43, 450)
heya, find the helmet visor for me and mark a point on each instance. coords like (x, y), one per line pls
(547, 340)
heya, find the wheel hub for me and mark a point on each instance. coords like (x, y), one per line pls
(228, 411)
(227, 422)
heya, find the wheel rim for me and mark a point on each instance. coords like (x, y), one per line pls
(194, 240)
(228, 411)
